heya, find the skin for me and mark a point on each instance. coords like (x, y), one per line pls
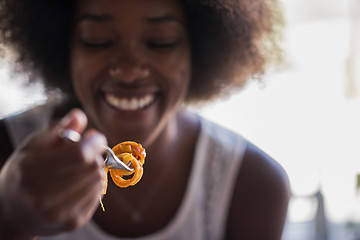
(260, 200)
(148, 42)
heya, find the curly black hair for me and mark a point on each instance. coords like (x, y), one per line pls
(231, 41)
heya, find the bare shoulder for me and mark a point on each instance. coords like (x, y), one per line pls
(259, 204)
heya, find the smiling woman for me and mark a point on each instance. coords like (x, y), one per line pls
(126, 68)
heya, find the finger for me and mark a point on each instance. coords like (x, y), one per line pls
(75, 120)
(88, 202)
(92, 146)
(81, 213)
(48, 136)
(60, 193)
(61, 182)
(68, 203)
(74, 212)
(54, 162)
(71, 126)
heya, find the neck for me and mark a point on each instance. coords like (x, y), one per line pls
(163, 146)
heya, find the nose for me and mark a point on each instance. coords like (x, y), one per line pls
(128, 66)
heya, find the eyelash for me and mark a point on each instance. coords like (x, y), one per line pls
(96, 45)
(162, 46)
(153, 45)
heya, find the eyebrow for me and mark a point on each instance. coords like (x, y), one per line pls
(94, 17)
(107, 18)
(165, 18)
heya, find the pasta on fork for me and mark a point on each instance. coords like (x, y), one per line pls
(133, 155)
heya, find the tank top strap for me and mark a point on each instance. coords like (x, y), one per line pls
(224, 151)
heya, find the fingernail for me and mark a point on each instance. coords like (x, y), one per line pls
(66, 120)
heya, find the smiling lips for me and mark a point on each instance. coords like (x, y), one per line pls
(129, 104)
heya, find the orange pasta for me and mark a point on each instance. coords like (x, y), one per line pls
(118, 174)
(133, 155)
(131, 147)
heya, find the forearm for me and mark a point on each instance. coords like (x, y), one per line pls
(10, 227)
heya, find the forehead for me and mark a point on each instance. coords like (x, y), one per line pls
(130, 9)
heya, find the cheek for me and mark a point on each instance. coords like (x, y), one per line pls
(180, 71)
(183, 79)
(77, 69)
(82, 71)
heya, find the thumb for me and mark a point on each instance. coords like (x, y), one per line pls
(72, 125)
(75, 120)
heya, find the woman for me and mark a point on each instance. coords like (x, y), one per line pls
(130, 66)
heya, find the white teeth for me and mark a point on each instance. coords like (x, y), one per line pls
(131, 104)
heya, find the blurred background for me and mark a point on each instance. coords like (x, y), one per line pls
(305, 116)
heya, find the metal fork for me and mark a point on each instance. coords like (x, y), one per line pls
(111, 160)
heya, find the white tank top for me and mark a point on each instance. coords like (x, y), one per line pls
(203, 212)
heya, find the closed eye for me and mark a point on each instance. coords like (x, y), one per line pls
(162, 46)
(96, 45)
